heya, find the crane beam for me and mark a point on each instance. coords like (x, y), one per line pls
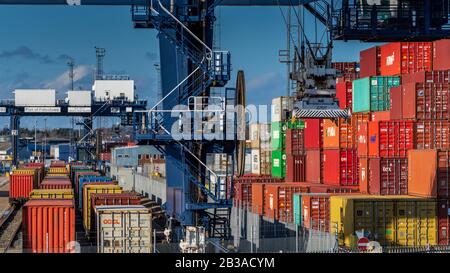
(145, 2)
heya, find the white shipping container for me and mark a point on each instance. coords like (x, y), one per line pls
(248, 163)
(79, 98)
(256, 161)
(35, 97)
(281, 106)
(123, 229)
(105, 90)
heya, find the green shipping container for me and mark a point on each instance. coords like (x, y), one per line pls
(278, 134)
(297, 209)
(298, 124)
(279, 163)
(373, 93)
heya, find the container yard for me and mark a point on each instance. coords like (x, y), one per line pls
(201, 139)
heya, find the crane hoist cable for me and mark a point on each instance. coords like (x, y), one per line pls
(240, 102)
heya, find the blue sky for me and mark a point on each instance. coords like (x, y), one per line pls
(36, 41)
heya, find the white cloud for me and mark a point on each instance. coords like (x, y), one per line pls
(264, 82)
(63, 81)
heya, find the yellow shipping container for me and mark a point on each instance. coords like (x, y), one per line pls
(52, 194)
(87, 191)
(58, 174)
(57, 170)
(389, 220)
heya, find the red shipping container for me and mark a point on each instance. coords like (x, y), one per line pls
(370, 62)
(426, 101)
(396, 110)
(295, 142)
(360, 127)
(340, 167)
(20, 186)
(380, 116)
(313, 166)
(313, 133)
(388, 176)
(258, 192)
(278, 200)
(422, 174)
(443, 174)
(57, 163)
(363, 174)
(338, 134)
(295, 168)
(242, 194)
(344, 92)
(432, 134)
(390, 138)
(254, 178)
(48, 226)
(443, 221)
(56, 184)
(406, 57)
(315, 209)
(436, 76)
(441, 55)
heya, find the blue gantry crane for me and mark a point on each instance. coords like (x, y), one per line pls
(194, 76)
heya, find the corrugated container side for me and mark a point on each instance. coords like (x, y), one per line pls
(406, 57)
(295, 142)
(396, 110)
(390, 138)
(278, 200)
(313, 133)
(432, 134)
(388, 176)
(313, 166)
(20, 186)
(441, 54)
(344, 92)
(422, 175)
(426, 101)
(48, 226)
(442, 76)
(295, 168)
(370, 62)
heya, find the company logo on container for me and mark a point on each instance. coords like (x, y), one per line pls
(111, 221)
(390, 59)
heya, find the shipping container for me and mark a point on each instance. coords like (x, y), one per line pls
(30, 171)
(370, 60)
(425, 101)
(396, 110)
(124, 229)
(58, 170)
(349, 71)
(444, 221)
(432, 134)
(279, 163)
(406, 57)
(278, 136)
(344, 93)
(360, 125)
(390, 220)
(282, 108)
(380, 116)
(278, 200)
(88, 190)
(261, 162)
(295, 168)
(295, 142)
(20, 186)
(441, 54)
(388, 176)
(340, 167)
(435, 76)
(259, 134)
(52, 194)
(422, 175)
(48, 226)
(313, 133)
(80, 194)
(390, 138)
(338, 134)
(258, 192)
(56, 184)
(363, 174)
(313, 166)
(35, 97)
(373, 93)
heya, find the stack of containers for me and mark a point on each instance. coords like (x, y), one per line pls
(295, 152)
(22, 182)
(281, 113)
(260, 149)
(313, 136)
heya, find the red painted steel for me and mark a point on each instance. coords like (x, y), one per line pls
(363, 174)
(56, 184)
(313, 133)
(48, 226)
(370, 62)
(295, 168)
(426, 101)
(391, 138)
(380, 116)
(344, 92)
(295, 143)
(21, 185)
(315, 211)
(340, 167)
(432, 134)
(436, 76)
(443, 174)
(396, 110)
(313, 166)
(278, 200)
(388, 176)
(441, 55)
(406, 57)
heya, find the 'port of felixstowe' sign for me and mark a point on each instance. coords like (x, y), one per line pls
(42, 109)
(79, 109)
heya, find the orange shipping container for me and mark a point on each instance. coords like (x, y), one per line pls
(278, 201)
(422, 175)
(48, 226)
(338, 135)
(363, 170)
